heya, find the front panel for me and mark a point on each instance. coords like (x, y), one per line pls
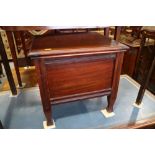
(79, 75)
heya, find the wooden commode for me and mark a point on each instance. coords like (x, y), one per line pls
(76, 66)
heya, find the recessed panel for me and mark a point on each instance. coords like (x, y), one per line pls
(76, 76)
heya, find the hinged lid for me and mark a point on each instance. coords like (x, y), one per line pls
(74, 44)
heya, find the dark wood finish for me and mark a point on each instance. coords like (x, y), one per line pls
(136, 30)
(14, 56)
(52, 30)
(117, 32)
(22, 36)
(79, 44)
(7, 68)
(44, 90)
(145, 83)
(136, 60)
(130, 61)
(145, 34)
(61, 28)
(80, 68)
(106, 32)
(142, 43)
(115, 82)
(18, 41)
(29, 28)
(87, 28)
(1, 126)
(1, 70)
(143, 65)
(19, 32)
(76, 66)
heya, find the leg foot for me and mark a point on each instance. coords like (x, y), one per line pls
(48, 115)
(18, 93)
(20, 87)
(107, 114)
(111, 102)
(47, 126)
(138, 105)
